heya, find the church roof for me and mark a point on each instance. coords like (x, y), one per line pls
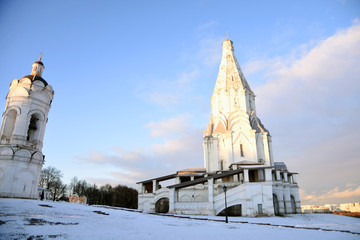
(31, 77)
(40, 62)
(193, 170)
(280, 166)
(214, 176)
(230, 74)
(204, 179)
(162, 178)
(256, 124)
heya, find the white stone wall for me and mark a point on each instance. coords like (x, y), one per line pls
(209, 198)
(146, 201)
(249, 195)
(211, 159)
(192, 208)
(197, 193)
(284, 191)
(233, 104)
(19, 172)
(21, 136)
(27, 99)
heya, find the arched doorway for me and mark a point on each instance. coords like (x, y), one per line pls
(276, 205)
(293, 204)
(162, 205)
(234, 210)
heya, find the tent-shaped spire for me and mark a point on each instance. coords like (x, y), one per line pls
(230, 75)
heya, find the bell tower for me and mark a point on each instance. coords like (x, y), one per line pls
(22, 132)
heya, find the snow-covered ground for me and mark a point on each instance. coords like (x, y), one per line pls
(27, 219)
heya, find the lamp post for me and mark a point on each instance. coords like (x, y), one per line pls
(226, 216)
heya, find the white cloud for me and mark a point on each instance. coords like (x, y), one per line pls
(334, 195)
(170, 126)
(181, 152)
(186, 77)
(171, 91)
(181, 148)
(329, 69)
(114, 178)
(209, 51)
(204, 28)
(310, 103)
(103, 181)
(163, 98)
(196, 60)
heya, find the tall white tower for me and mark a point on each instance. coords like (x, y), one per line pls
(235, 133)
(22, 132)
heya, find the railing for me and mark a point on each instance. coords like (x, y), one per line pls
(161, 190)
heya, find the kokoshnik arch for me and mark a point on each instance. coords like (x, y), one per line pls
(22, 132)
(237, 154)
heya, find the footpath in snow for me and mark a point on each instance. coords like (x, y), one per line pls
(32, 219)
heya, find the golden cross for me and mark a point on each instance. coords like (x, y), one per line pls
(40, 56)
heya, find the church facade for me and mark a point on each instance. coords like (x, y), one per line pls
(22, 132)
(238, 161)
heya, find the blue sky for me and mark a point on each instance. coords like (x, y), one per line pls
(133, 82)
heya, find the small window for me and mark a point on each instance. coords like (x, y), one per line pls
(241, 150)
(222, 165)
(260, 210)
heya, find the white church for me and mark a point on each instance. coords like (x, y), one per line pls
(22, 132)
(238, 161)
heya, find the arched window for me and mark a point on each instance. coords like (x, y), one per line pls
(9, 125)
(33, 128)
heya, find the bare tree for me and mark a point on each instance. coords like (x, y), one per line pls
(50, 178)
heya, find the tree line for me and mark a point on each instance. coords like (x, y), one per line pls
(119, 196)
